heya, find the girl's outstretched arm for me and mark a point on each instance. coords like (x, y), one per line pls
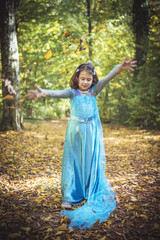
(126, 64)
(67, 93)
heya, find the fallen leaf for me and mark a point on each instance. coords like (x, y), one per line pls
(62, 228)
(14, 235)
(27, 229)
(59, 233)
(156, 226)
(63, 219)
(96, 223)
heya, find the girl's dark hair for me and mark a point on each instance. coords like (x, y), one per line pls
(88, 67)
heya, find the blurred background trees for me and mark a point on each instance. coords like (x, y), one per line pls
(54, 37)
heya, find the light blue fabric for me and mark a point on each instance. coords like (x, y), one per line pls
(83, 167)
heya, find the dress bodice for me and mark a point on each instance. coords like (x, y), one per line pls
(83, 106)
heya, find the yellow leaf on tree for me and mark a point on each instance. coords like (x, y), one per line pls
(48, 55)
(7, 97)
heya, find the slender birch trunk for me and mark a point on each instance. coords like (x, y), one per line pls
(10, 67)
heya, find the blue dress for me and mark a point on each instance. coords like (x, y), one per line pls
(83, 167)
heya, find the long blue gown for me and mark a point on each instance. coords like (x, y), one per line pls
(83, 166)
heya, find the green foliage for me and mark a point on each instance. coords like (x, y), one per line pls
(62, 27)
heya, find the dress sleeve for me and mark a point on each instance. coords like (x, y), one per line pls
(97, 88)
(66, 93)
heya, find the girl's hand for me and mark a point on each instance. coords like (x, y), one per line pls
(129, 64)
(35, 93)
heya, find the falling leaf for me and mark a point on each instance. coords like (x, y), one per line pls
(48, 55)
(8, 97)
(63, 70)
(64, 49)
(66, 34)
(96, 223)
(21, 101)
(11, 107)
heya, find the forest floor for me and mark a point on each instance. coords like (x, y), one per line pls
(30, 172)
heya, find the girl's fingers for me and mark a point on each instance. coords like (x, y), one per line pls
(134, 65)
(30, 91)
(133, 58)
(38, 88)
(29, 96)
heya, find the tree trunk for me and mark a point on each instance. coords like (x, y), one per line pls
(140, 25)
(10, 67)
(89, 27)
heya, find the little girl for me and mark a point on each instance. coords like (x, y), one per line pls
(83, 166)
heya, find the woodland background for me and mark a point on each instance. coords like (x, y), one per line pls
(43, 41)
(54, 37)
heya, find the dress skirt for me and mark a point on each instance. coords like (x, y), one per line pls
(83, 168)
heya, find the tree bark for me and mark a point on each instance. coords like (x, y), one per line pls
(89, 27)
(10, 66)
(140, 25)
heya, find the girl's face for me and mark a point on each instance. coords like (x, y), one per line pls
(85, 81)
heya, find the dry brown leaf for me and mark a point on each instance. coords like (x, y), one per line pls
(14, 235)
(27, 229)
(59, 233)
(63, 219)
(96, 223)
(62, 228)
